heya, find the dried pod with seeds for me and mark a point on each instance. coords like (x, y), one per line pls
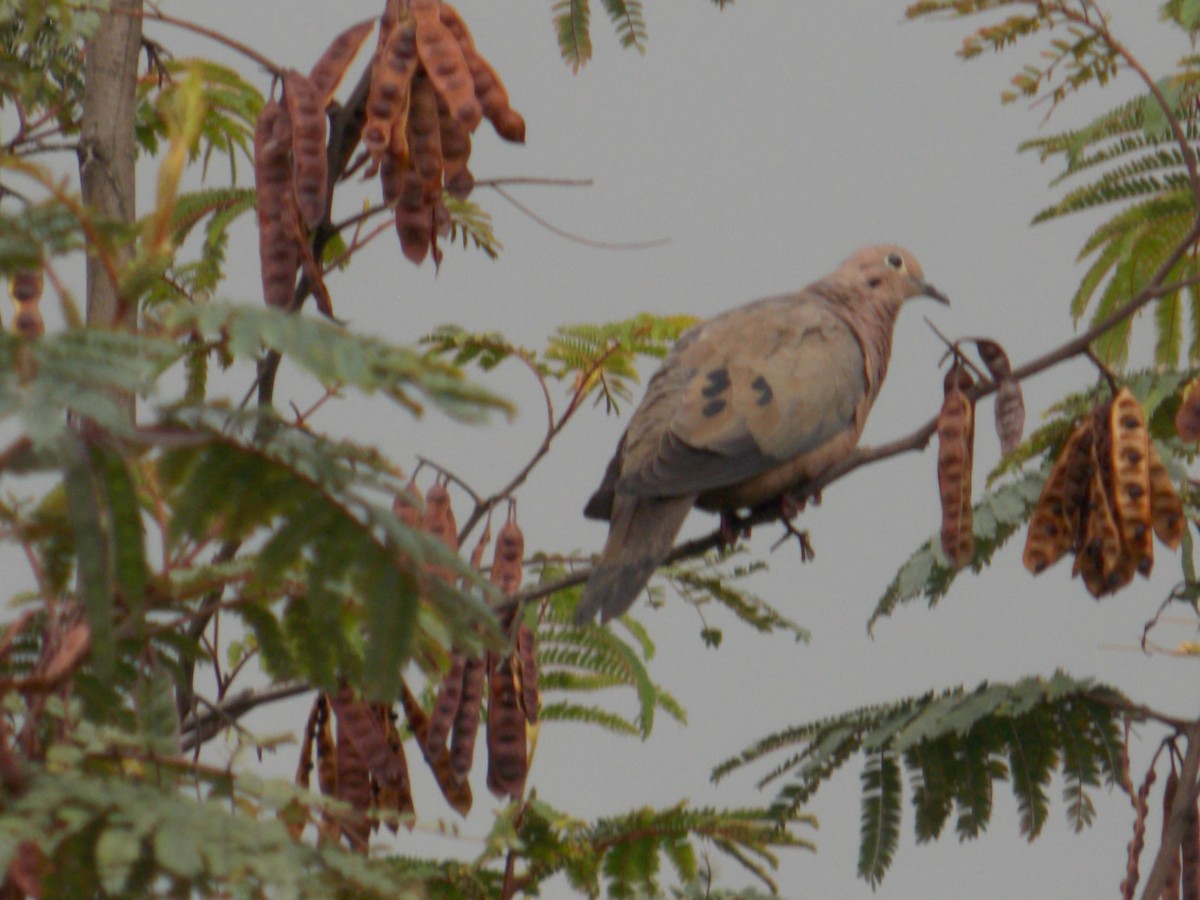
(278, 227)
(1051, 533)
(445, 707)
(439, 516)
(1101, 561)
(527, 670)
(455, 142)
(362, 728)
(25, 286)
(327, 74)
(354, 788)
(414, 217)
(326, 748)
(443, 60)
(304, 765)
(392, 71)
(466, 722)
(424, 138)
(509, 557)
(508, 762)
(392, 798)
(1130, 462)
(489, 89)
(1166, 509)
(994, 358)
(309, 126)
(456, 791)
(956, 435)
(1010, 403)
(408, 505)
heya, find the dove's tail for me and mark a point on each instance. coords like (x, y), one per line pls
(640, 537)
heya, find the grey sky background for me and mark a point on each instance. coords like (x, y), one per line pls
(767, 142)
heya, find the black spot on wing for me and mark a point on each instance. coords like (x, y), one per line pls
(718, 381)
(765, 394)
(712, 408)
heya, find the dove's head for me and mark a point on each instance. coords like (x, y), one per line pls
(886, 275)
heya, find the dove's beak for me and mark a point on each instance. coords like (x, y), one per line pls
(925, 289)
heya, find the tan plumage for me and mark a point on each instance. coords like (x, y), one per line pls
(748, 405)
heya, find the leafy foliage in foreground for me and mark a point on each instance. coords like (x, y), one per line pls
(955, 747)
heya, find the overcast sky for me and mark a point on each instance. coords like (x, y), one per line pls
(767, 142)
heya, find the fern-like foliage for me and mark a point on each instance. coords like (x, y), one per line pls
(471, 223)
(1129, 156)
(955, 747)
(572, 27)
(1016, 483)
(627, 18)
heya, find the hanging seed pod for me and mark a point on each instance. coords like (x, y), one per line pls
(326, 749)
(1115, 565)
(354, 788)
(25, 286)
(1187, 419)
(392, 798)
(956, 435)
(309, 127)
(509, 558)
(327, 74)
(439, 516)
(414, 217)
(443, 60)
(489, 89)
(278, 242)
(507, 752)
(466, 722)
(1051, 533)
(445, 707)
(304, 765)
(1010, 403)
(455, 142)
(527, 672)
(1130, 462)
(424, 138)
(408, 505)
(456, 791)
(392, 71)
(361, 726)
(1166, 509)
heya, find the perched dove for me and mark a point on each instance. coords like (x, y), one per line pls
(747, 406)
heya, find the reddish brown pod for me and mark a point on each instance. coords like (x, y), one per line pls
(442, 58)
(508, 763)
(278, 226)
(309, 127)
(392, 70)
(956, 439)
(489, 89)
(329, 70)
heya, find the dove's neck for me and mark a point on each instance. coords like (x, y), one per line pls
(872, 323)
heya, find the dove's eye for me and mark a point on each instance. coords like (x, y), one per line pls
(894, 261)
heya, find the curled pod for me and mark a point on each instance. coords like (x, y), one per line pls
(309, 126)
(442, 58)
(527, 670)
(1051, 533)
(994, 358)
(466, 722)
(456, 791)
(445, 706)
(392, 71)
(1130, 466)
(278, 229)
(327, 74)
(489, 89)
(1010, 414)
(304, 765)
(1187, 419)
(455, 142)
(1166, 509)
(508, 762)
(956, 435)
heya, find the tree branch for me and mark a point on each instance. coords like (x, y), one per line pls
(198, 729)
(1185, 800)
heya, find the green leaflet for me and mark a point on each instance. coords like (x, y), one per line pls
(955, 747)
(95, 582)
(572, 20)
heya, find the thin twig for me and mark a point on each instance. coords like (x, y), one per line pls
(1172, 835)
(571, 236)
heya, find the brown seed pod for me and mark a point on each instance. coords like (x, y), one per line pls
(362, 727)
(439, 516)
(414, 217)
(392, 71)
(25, 286)
(354, 788)
(408, 505)
(1010, 414)
(956, 436)
(309, 126)
(1130, 462)
(424, 137)
(393, 799)
(456, 791)
(527, 672)
(1051, 532)
(1187, 419)
(1103, 560)
(509, 557)
(278, 230)
(489, 89)
(466, 722)
(994, 358)
(508, 763)
(445, 707)
(1166, 509)
(455, 142)
(327, 74)
(304, 764)
(443, 60)
(326, 748)
(1137, 843)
